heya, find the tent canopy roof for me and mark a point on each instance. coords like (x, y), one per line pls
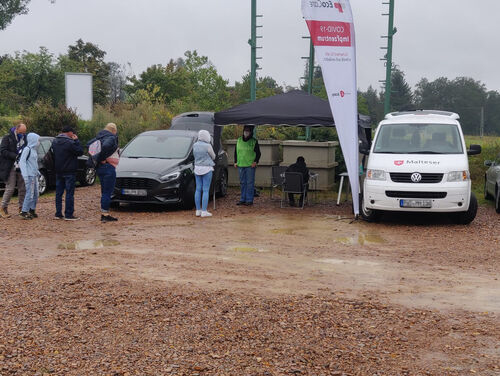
(293, 108)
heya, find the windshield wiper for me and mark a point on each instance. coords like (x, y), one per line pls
(424, 152)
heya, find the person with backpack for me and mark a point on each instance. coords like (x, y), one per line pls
(28, 163)
(103, 150)
(10, 150)
(67, 149)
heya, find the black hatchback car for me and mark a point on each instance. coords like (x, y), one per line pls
(85, 175)
(157, 167)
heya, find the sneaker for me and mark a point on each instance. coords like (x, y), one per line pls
(4, 213)
(25, 215)
(248, 203)
(205, 214)
(198, 213)
(108, 218)
(33, 214)
(58, 216)
(71, 218)
(240, 203)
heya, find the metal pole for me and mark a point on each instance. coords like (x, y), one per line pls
(253, 54)
(310, 80)
(388, 71)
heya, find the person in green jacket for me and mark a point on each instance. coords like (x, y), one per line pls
(246, 158)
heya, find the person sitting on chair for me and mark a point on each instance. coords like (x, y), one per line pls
(299, 166)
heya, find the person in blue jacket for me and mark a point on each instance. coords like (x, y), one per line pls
(107, 160)
(28, 163)
(66, 149)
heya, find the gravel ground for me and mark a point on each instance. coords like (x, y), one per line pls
(251, 291)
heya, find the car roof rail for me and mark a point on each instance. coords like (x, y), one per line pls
(452, 115)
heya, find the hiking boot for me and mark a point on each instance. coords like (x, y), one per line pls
(25, 215)
(4, 213)
(33, 214)
(108, 218)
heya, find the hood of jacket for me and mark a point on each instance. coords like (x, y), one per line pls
(204, 136)
(32, 140)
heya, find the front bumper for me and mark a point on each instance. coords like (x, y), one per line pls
(155, 191)
(386, 195)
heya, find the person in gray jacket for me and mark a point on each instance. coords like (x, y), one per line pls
(203, 169)
(28, 163)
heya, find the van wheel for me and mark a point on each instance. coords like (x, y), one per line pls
(369, 215)
(188, 196)
(466, 217)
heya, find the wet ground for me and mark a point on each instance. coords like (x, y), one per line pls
(430, 285)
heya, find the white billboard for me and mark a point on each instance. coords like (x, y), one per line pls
(79, 94)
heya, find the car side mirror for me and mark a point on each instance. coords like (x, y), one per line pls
(488, 163)
(474, 150)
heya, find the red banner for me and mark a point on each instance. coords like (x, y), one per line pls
(330, 33)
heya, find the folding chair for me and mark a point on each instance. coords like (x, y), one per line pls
(277, 177)
(294, 184)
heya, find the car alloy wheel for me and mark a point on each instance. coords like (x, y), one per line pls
(90, 176)
(42, 184)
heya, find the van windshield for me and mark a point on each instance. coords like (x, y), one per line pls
(158, 146)
(418, 139)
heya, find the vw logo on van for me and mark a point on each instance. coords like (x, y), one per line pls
(416, 177)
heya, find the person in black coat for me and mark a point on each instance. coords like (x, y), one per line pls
(11, 148)
(301, 167)
(66, 149)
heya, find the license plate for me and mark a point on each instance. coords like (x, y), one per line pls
(134, 192)
(415, 203)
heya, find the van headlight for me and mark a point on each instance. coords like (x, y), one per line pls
(170, 177)
(375, 175)
(455, 176)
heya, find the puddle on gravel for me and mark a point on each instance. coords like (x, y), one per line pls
(361, 239)
(348, 262)
(88, 244)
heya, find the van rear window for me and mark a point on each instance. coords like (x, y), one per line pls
(418, 139)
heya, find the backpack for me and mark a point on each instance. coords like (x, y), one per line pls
(94, 153)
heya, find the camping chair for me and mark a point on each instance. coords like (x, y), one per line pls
(277, 177)
(293, 183)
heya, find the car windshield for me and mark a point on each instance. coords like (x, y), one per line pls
(158, 146)
(418, 139)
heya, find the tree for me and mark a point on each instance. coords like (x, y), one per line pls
(266, 87)
(401, 94)
(374, 103)
(9, 9)
(117, 82)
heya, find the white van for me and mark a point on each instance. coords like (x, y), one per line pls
(418, 163)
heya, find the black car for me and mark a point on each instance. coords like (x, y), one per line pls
(85, 175)
(156, 167)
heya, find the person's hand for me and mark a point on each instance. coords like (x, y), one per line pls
(74, 137)
(254, 164)
(236, 165)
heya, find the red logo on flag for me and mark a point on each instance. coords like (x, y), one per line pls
(399, 163)
(342, 93)
(330, 33)
(339, 7)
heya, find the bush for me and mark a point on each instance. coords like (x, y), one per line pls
(47, 120)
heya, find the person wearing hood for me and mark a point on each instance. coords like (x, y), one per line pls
(10, 150)
(246, 158)
(28, 163)
(204, 157)
(107, 161)
(66, 149)
(300, 167)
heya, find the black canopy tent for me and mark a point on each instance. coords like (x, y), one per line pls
(295, 108)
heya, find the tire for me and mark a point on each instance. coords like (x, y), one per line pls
(222, 184)
(487, 196)
(497, 202)
(42, 183)
(114, 205)
(88, 177)
(188, 196)
(466, 217)
(369, 215)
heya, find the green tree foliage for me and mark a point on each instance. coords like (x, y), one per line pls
(86, 57)
(9, 9)
(48, 120)
(374, 103)
(401, 93)
(266, 87)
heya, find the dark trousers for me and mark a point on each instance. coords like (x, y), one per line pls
(107, 177)
(247, 183)
(65, 182)
(291, 197)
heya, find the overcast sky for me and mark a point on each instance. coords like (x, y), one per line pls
(435, 38)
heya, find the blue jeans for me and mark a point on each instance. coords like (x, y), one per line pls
(202, 184)
(31, 197)
(107, 177)
(247, 183)
(65, 182)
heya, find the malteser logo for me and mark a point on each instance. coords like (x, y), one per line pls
(399, 163)
(326, 4)
(340, 94)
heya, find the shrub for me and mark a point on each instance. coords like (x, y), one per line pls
(47, 120)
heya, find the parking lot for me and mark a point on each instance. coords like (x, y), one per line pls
(251, 291)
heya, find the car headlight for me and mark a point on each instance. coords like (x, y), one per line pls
(375, 174)
(458, 176)
(170, 177)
